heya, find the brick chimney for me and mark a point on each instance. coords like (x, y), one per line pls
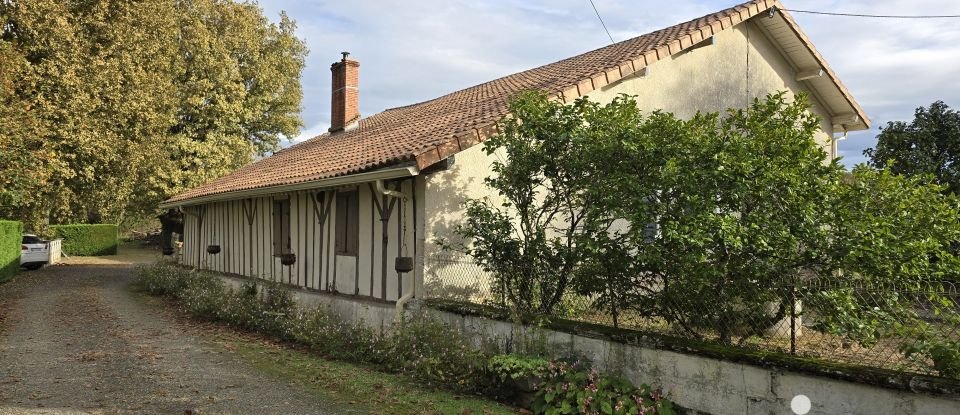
(344, 109)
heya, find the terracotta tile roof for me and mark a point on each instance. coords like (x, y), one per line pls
(430, 131)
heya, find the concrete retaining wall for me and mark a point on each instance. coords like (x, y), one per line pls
(375, 314)
(700, 383)
(715, 386)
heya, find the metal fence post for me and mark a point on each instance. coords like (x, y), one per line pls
(793, 317)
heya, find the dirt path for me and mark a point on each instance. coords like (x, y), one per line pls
(75, 339)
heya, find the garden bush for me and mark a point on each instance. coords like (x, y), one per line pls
(515, 367)
(432, 351)
(334, 338)
(87, 240)
(570, 386)
(421, 347)
(11, 234)
(163, 280)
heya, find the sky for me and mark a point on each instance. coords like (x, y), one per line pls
(414, 50)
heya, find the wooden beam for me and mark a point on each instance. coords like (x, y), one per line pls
(806, 74)
(710, 41)
(845, 119)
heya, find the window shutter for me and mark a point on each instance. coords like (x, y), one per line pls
(353, 225)
(285, 225)
(277, 231)
(341, 225)
(281, 227)
(348, 223)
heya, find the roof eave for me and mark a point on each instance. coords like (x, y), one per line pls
(735, 16)
(380, 174)
(860, 120)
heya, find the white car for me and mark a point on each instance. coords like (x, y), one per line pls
(34, 252)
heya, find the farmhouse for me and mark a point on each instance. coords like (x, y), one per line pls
(335, 213)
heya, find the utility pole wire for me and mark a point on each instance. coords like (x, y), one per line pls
(601, 22)
(878, 16)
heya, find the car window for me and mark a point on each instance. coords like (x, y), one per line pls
(30, 239)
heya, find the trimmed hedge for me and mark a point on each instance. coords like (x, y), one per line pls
(87, 240)
(11, 234)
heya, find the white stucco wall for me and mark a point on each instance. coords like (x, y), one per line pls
(741, 65)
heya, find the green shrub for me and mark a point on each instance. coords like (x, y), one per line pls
(199, 293)
(514, 367)
(516, 377)
(242, 308)
(573, 388)
(432, 351)
(334, 338)
(204, 295)
(11, 234)
(87, 240)
(161, 279)
(943, 355)
(421, 346)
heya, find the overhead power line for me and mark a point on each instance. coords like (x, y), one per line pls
(601, 21)
(878, 16)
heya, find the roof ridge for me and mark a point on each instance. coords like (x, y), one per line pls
(570, 58)
(729, 17)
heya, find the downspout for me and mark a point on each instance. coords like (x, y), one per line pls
(180, 209)
(405, 298)
(384, 191)
(834, 142)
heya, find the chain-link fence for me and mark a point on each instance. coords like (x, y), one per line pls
(904, 326)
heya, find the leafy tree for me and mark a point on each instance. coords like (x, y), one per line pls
(894, 239)
(80, 63)
(238, 94)
(112, 106)
(527, 236)
(929, 145)
(715, 225)
(895, 229)
(609, 262)
(20, 144)
(738, 207)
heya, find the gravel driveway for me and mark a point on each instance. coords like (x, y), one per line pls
(76, 339)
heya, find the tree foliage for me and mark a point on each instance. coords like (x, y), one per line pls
(715, 225)
(737, 202)
(112, 106)
(527, 236)
(927, 146)
(894, 240)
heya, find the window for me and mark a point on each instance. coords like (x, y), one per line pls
(348, 223)
(281, 226)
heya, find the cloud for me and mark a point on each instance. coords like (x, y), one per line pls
(311, 131)
(414, 51)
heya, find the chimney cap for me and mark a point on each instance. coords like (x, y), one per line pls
(345, 54)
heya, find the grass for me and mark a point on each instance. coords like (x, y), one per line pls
(357, 388)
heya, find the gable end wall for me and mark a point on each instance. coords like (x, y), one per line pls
(741, 65)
